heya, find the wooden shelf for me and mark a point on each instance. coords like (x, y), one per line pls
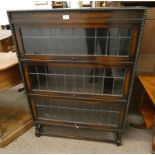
(148, 83)
(148, 115)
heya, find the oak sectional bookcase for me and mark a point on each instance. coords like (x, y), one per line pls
(78, 67)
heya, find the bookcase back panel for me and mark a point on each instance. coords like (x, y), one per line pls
(88, 80)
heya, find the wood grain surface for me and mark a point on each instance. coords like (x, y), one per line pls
(148, 83)
(14, 122)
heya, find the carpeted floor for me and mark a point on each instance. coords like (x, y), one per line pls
(134, 140)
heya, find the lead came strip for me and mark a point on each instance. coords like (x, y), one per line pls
(74, 81)
(63, 107)
(65, 79)
(107, 42)
(64, 37)
(40, 34)
(49, 103)
(94, 69)
(37, 77)
(47, 84)
(55, 76)
(73, 39)
(110, 118)
(90, 76)
(103, 81)
(62, 47)
(95, 43)
(113, 85)
(93, 79)
(118, 41)
(84, 79)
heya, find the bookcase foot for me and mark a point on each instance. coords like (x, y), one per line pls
(37, 128)
(37, 134)
(118, 139)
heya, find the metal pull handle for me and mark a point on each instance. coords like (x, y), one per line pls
(76, 126)
(73, 58)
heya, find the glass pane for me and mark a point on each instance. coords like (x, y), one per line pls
(34, 81)
(113, 46)
(118, 85)
(77, 80)
(77, 41)
(72, 111)
(108, 85)
(125, 32)
(124, 46)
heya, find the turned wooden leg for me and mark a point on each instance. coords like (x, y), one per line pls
(37, 128)
(118, 139)
(20, 89)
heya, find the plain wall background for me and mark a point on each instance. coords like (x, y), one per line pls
(13, 5)
(26, 4)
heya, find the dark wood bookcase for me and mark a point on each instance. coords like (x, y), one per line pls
(78, 68)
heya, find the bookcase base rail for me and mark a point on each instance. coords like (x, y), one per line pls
(79, 133)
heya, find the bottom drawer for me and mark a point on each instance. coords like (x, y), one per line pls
(78, 111)
(70, 132)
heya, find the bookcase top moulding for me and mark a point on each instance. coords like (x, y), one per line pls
(81, 9)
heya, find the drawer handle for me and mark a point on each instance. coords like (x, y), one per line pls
(73, 58)
(76, 126)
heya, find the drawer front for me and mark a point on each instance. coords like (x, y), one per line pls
(78, 78)
(71, 132)
(78, 112)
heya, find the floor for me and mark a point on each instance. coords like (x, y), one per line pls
(134, 140)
